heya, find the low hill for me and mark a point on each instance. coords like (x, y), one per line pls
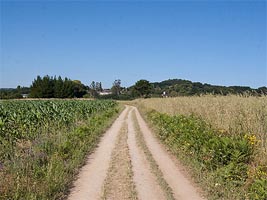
(180, 87)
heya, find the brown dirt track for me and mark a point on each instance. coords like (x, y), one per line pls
(120, 168)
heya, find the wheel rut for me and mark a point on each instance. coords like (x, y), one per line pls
(130, 163)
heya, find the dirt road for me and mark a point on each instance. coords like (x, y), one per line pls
(130, 163)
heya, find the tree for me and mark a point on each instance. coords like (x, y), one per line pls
(98, 87)
(95, 88)
(262, 90)
(92, 86)
(142, 88)
(36, 88)
(116, 88)
(59, 87)
(78, 89)
(49, 87)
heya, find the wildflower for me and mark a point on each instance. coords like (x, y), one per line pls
(252, 139)
(222, 131)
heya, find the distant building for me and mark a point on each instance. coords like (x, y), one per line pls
(25, 95)
(164, 95)
(105, 92)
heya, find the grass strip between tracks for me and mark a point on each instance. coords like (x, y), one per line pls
(119, 181)
(153, 165)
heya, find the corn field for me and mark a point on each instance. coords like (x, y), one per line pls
(43, 142)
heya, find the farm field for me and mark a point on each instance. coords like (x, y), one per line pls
(208, 147)
(221, 138)
(44, 142)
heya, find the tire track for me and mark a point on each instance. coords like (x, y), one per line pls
(153, 165)
(130, 163)
(89, 184)
(145, 181)
(181, 186)
(119, 182)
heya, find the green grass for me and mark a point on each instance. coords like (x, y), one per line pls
(43, 144)
(223, 163)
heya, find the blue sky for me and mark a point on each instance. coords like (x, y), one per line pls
(216, 42)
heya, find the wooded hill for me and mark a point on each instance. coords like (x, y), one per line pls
(179, 87)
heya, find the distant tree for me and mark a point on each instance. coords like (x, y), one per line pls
(262, 90)
(10, 94)
(49, 87)
(59, 83)
(78, 89)
(142, 88)
(93, 86)
(98, 87)
(36, 88)
(116, 88)
(68, 89)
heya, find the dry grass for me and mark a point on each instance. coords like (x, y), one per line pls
(119, 181)
(232, 114)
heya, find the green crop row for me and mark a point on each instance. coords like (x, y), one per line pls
(43, 143)
(21, 119)
(224, 163)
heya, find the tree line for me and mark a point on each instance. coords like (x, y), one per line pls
(57, 87)
(179, 87)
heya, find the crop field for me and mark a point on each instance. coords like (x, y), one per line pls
(221, 138)
(232, 114)
(44, 142)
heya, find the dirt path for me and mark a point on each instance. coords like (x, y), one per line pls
(119, 182)
(92, 175)
(123, 166)
(146, 183)
(180, 185)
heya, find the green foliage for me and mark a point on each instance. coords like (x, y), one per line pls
(16, 93)
(258, 189)
(116, 88)
(179, 87)
(222, 156)
(262, 90)
(142, 88)
(42, 143)
(49, 87)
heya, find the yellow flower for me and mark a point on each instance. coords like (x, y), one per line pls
(252, 139)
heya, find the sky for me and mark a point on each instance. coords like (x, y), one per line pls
(216, 42)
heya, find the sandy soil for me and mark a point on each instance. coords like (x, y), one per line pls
(91, 178)
(146, 184)
(120, 169)
(181, 186)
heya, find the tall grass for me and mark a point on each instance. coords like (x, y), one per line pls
(232, 114)
(221, 138)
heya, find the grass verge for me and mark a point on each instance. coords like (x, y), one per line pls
(224, 164)
(119, 181)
